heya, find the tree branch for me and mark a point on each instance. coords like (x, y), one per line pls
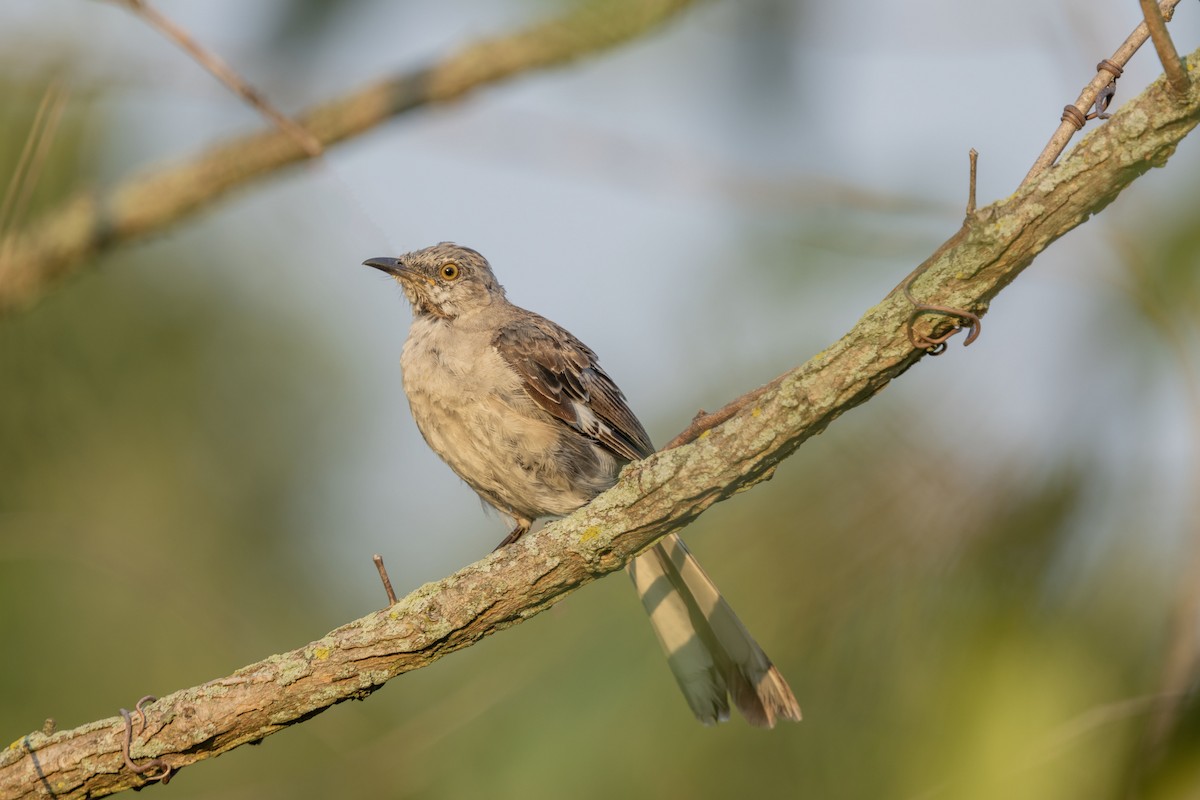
(654, 497)
(1156, 25)
(1075, 115)
(92, 222)
(225, 74)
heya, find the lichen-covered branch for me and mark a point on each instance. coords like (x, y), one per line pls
(92, 222)
(655, 496)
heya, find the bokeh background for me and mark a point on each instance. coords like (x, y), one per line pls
(977, 583)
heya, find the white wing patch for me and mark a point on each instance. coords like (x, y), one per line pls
(587, 422)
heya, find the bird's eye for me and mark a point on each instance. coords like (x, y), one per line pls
(449, 271)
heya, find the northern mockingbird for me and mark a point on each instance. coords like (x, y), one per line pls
(522, 411)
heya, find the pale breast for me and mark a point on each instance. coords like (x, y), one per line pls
(473, 411)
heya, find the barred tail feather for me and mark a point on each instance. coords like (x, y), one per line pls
(709, 650)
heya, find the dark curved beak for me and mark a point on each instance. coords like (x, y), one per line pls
(391, 266)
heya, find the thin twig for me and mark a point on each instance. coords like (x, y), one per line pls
(45, 140)
(226, 75)
(33, 156)
(973, 155)
(383, 576)
(1177, 76)
(1067, 128)
(15, 180)
(704, 421)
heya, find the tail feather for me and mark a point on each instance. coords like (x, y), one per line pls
(709, 650)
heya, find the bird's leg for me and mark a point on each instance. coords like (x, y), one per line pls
(516, 533)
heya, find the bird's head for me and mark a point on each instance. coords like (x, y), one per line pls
(445, 280)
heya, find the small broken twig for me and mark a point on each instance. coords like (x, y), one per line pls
(704, 421)
(973, 155)
(383, 576)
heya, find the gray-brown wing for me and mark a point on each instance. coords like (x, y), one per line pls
(562, 376)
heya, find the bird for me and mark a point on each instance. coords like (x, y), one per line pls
(521, 410)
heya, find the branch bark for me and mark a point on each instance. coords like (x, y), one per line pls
(92, 222)
(654, 497)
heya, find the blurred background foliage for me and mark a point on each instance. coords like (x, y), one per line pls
(973, 583)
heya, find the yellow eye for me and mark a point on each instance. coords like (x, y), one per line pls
(449, 271)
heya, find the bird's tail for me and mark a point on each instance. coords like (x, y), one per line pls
(708, 648)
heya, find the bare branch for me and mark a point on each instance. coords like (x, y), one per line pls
(1176, 75)
(654, 497)
(1071, 123)
(225, 74)
(92, 222)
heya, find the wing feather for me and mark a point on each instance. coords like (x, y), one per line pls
(562, 376)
